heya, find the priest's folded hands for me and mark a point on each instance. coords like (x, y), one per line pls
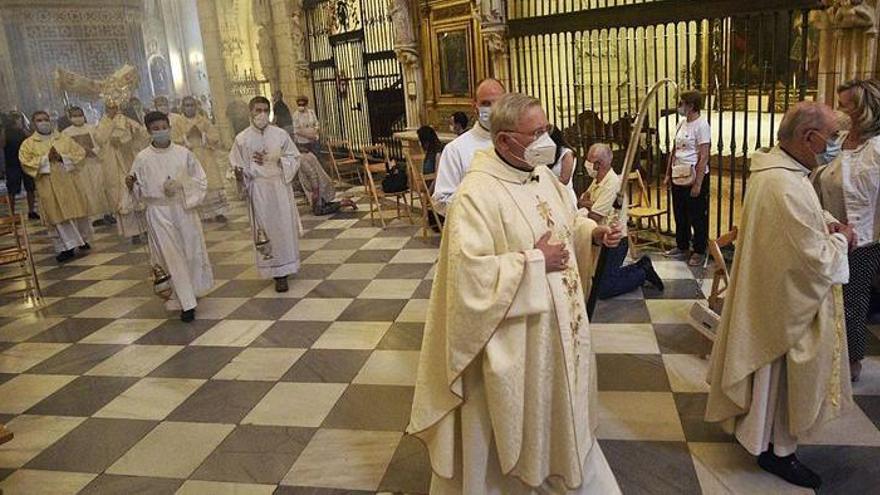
(171, 187)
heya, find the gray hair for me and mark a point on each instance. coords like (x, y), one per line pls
(507, 111)
(802, 117)
(866, 98)
(601, 150)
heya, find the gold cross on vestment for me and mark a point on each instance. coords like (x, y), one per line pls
(545, 212)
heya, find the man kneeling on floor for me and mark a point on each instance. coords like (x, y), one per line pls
(170, 180)
(598, 202)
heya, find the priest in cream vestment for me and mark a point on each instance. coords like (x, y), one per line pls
(52, 159)
(505, 397)
(779, 367)
(90, 176)
(194, 131)
(120, 139)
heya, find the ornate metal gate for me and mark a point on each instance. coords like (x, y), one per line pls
(591, 61)
(357, 80)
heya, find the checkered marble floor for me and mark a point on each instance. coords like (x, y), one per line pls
(309, 392)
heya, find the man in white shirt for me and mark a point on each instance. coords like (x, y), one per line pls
(458, 155)
(305, 125)
(597, 202)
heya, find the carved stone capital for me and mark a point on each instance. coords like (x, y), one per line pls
(850, 14)
(408, 55)
(495, 38)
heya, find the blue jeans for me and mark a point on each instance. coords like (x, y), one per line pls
(617, 279)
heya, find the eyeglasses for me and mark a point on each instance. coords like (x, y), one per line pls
(535, 134)
(837, 138)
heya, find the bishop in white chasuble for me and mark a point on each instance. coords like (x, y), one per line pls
(505, 397)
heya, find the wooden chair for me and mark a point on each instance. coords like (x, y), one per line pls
(419, 185)
(705, 316)
(376, 165)
(641, 211)
(5, 434)
(345, 166)
(15, 249)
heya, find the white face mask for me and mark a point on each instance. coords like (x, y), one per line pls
(542, 151)
(44, 128)
(77, 121)
(484, 114)
(592, 171)
(261, 120)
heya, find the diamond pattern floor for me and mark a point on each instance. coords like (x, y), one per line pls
(309, 392)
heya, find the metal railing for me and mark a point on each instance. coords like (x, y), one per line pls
(591, 62)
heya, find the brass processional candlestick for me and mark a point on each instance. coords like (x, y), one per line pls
(261, 240)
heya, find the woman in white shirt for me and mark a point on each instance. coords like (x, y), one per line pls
(687, 172)
(564, 166)
(850, 189)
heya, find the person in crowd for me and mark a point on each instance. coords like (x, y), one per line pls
(505, 397)
(195, 132)
(161, 104)
(563, 165)
(779, 368)
(52, 158)
(137, 109)
(14, 133)
(458, 154)
(168, 178)
(597, 203)
(315, 182)
(281, 111)
(432, 147)
(687, 173)
(266, 161)
(458, 123)
(850, 191)
(89, 176)
(305, 126)
(119, 140)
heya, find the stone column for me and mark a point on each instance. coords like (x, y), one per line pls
(847, 43)
(493, 30)
(8, 91)
(215, 66)
(289, 33)
(407, 51)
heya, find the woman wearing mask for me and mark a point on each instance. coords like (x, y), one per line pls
(563, 165)
(687, 172)
(432, 147)
(849, 189)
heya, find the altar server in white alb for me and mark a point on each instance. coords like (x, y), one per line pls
(266, 160)
(168, 179)
(457, 155)
(505, 397)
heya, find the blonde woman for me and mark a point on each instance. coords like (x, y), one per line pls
(860, 184)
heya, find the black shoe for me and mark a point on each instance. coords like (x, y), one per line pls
(109, 219)
(85, 247)
(136, 240)
(650, 273)
(33, 215)
(220, 218)
(188, 315)
(99, 222)
(281, 284)
(789, 468)
(64, 256)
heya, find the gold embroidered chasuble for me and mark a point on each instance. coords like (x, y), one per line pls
(784, 301)
(495, 311)
(57, 190)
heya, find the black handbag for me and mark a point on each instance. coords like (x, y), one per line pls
(395, 180)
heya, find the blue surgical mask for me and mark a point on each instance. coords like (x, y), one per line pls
(161, 138)
(832, 151)
(484, 114)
